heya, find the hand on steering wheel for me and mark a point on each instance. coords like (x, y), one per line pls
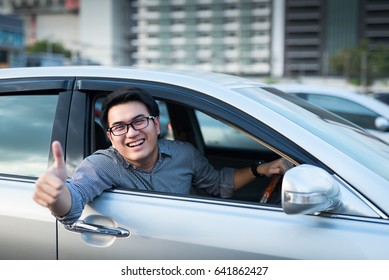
(275, 170)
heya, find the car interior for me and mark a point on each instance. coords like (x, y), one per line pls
(182, 123)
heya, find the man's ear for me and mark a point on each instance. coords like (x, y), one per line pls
(158, 125)
(109, 135)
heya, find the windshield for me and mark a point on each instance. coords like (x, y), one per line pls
(354, 141)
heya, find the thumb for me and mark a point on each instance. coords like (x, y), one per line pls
(59, 163)
(58, 155)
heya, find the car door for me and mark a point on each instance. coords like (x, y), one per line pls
(29, 110)
(130, 224)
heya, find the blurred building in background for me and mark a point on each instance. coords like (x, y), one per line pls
(11, 41)
(96, 31)
(230, 36)
(315, 30)
(277, 38)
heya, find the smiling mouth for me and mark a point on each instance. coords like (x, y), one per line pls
(136, 143)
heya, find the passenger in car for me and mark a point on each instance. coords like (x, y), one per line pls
(137, 159)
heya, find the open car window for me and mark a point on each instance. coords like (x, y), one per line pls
(222, 144)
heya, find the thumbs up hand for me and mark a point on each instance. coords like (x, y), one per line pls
(50, 188)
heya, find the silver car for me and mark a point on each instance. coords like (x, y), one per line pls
(361, 109)
(333, 204)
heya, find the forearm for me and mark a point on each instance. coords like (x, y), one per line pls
(242, 177)
(245, 175)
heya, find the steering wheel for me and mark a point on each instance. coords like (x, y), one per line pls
(270, 188)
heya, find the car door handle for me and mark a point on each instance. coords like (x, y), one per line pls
(83, 227)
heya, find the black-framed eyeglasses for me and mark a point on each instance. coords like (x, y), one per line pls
(137, 124)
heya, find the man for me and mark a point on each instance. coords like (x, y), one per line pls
(137, 159)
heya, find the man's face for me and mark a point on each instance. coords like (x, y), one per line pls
(138, 147)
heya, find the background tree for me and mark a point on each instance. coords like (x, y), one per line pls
(363, 64)
(45, 46)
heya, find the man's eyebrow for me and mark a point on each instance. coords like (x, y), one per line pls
(133, 119)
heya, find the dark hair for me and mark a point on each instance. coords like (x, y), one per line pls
(126, 94)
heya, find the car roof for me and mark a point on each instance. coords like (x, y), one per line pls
(176, 76)
(360, 98)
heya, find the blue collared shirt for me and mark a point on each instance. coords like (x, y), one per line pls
(179, 167)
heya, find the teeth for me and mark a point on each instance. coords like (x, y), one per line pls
(137, 143)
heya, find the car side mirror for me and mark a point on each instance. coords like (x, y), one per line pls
(381, 124)
(307, 189)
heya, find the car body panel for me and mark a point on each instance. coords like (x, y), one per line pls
(28, 230)
(221, 231)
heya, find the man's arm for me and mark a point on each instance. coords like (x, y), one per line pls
(50, 188)
(244, 176)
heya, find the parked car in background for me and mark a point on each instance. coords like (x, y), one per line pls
(333, 204)
(360, 109)
(382, 96)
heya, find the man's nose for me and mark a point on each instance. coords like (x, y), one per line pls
(131, 131)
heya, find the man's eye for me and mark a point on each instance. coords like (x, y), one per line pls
(138, 122)
(118, 127)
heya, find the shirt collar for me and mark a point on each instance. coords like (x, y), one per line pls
(163, 149)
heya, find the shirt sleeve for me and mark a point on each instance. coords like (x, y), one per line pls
(215, 182)
(95, 174)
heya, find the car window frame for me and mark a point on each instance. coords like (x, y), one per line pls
(209, 105)
(60, 86)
